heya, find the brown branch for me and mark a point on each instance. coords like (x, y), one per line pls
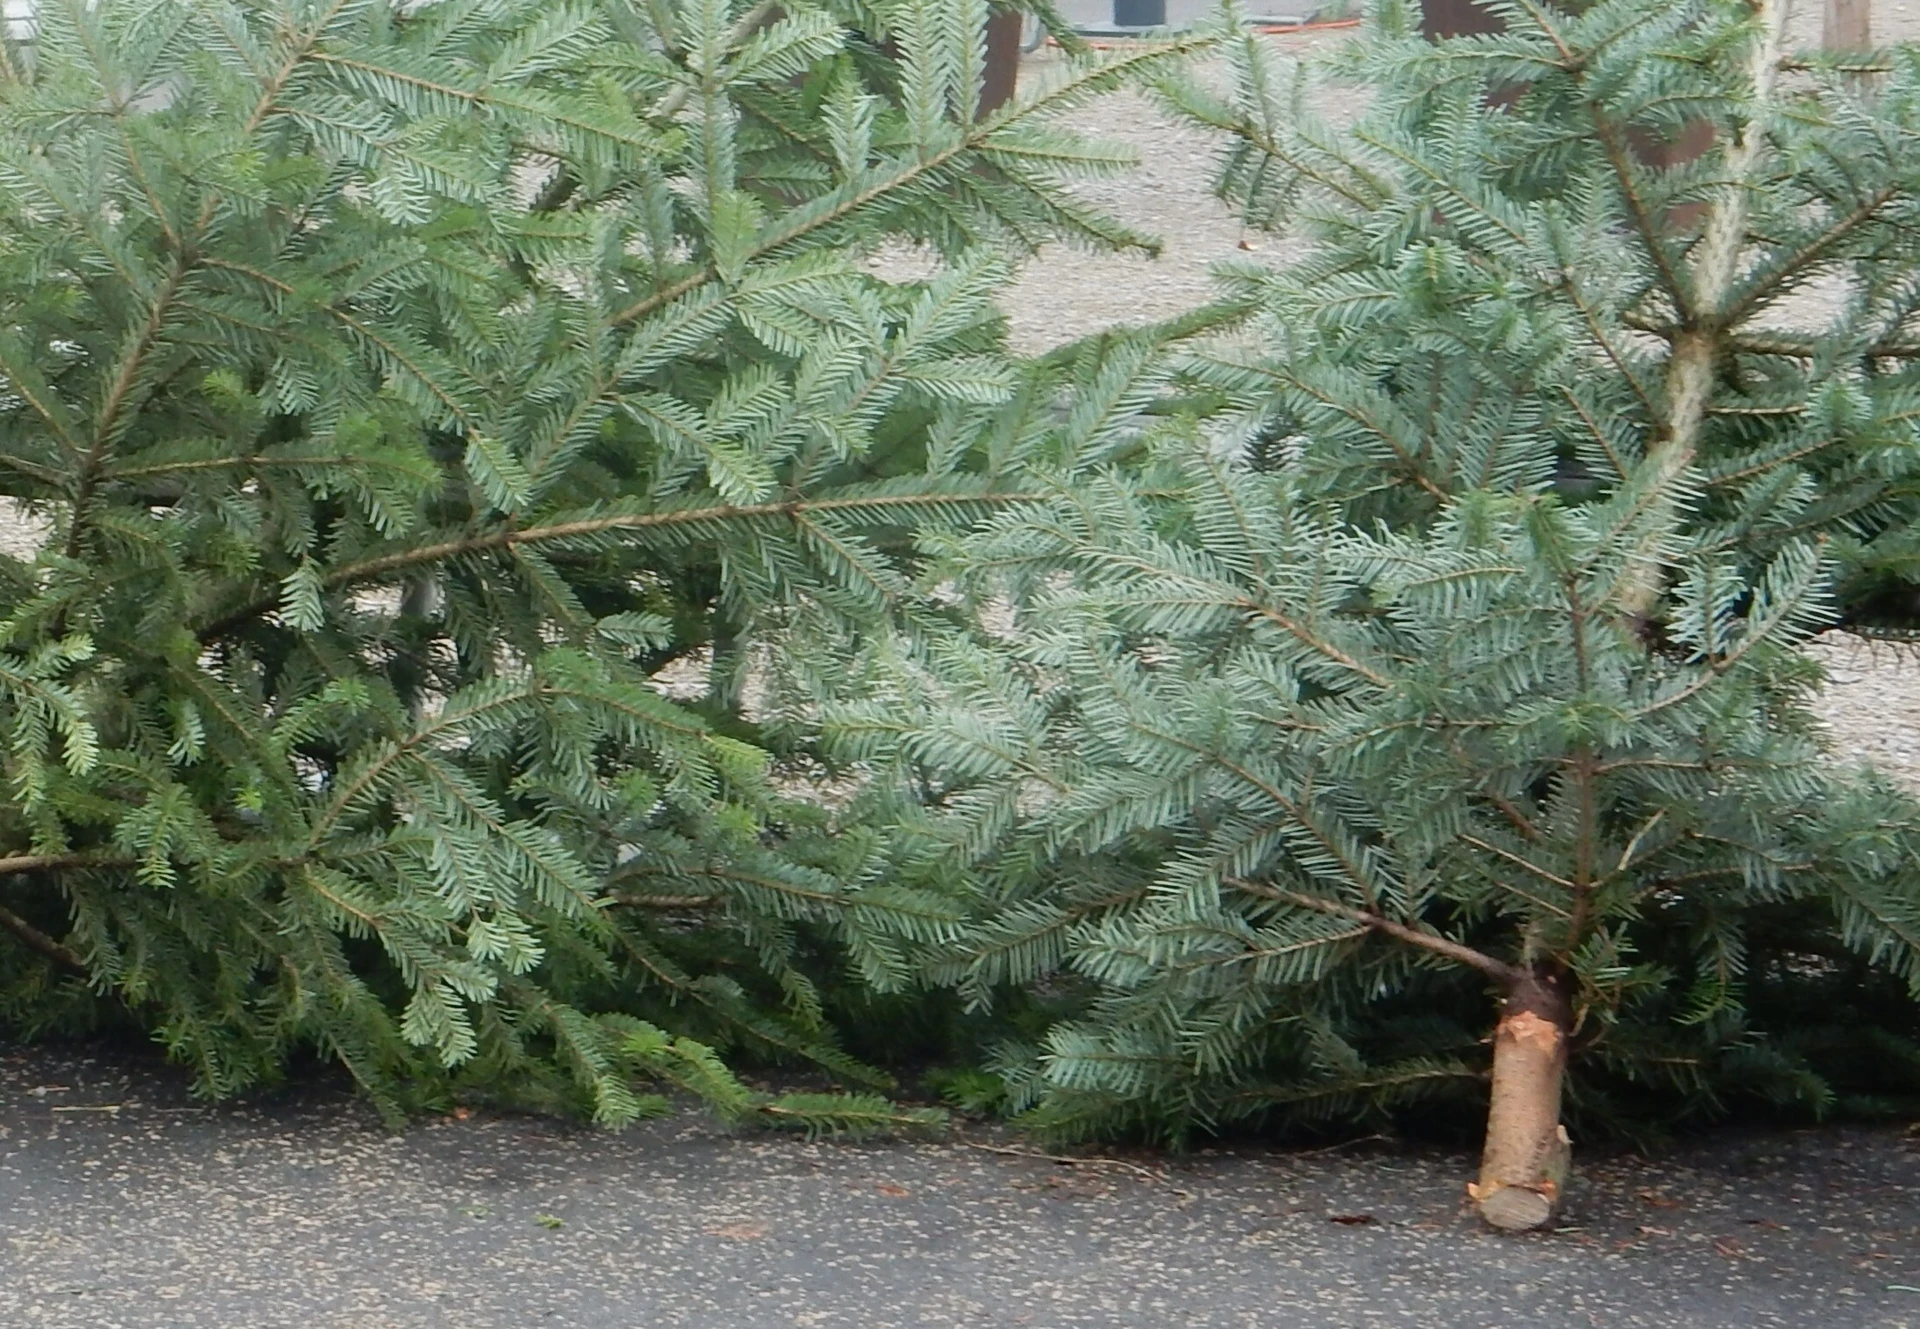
(118, 393)
(1643, 220)
(973, 140)
(1308, 639)
(1500, 971)
(1407, 459)
(1269, 146)
(1519, 861)
(723, 874)
(669, 901)
(1799, 66)
(1807, 253)
(1515, 817)
(507, 537)
(256, 461)
(1606, 344)
(1446, 186)
(55, 862)
(1716, 478)
(1805, 348)
(1073, 1160)
(34, 939)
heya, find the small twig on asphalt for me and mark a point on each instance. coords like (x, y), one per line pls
(1071, 1159)
(112, 1109)
(1344, 1144)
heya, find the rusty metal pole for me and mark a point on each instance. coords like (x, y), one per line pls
(1847, 25)
(1456, 18)
(1003, 60)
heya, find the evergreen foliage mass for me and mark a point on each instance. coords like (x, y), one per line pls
(401, 386)
(1433, 635)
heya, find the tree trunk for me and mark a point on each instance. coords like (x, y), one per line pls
(1523, 1170)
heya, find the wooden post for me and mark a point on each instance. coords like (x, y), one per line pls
(1457, 18)
(1847, 25)
(1002, 73)
(1003, 60)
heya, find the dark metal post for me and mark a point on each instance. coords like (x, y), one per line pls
(1139, 13)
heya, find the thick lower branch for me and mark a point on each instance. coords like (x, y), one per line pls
(669, 901)
(1806, 348)
(508, 536)
(55, 862)
(36, 940)
(1498, 970)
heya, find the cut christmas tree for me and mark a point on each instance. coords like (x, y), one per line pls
(1400, 700)
(402, 385)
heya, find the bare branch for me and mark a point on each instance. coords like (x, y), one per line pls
(507, 537)
(56, 862)
(34, 939)
(1500, 971)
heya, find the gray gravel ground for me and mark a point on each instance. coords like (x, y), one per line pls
(125, 1207)
(1871, 704)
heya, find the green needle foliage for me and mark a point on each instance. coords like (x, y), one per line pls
(1512, 272)
(1283, 797)
(1431, 638)
(401, 386)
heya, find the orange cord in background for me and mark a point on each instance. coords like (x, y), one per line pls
(1266, 30)
(1280, 29)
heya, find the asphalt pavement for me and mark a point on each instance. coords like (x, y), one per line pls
(125, 1205)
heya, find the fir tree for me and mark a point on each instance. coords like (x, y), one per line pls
(402, 385)
(1432, 640)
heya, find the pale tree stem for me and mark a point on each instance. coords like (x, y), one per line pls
(1717, 261)
(1524, 1166)
(1698, 343)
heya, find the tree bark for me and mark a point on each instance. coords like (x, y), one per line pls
(1523, 1169)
